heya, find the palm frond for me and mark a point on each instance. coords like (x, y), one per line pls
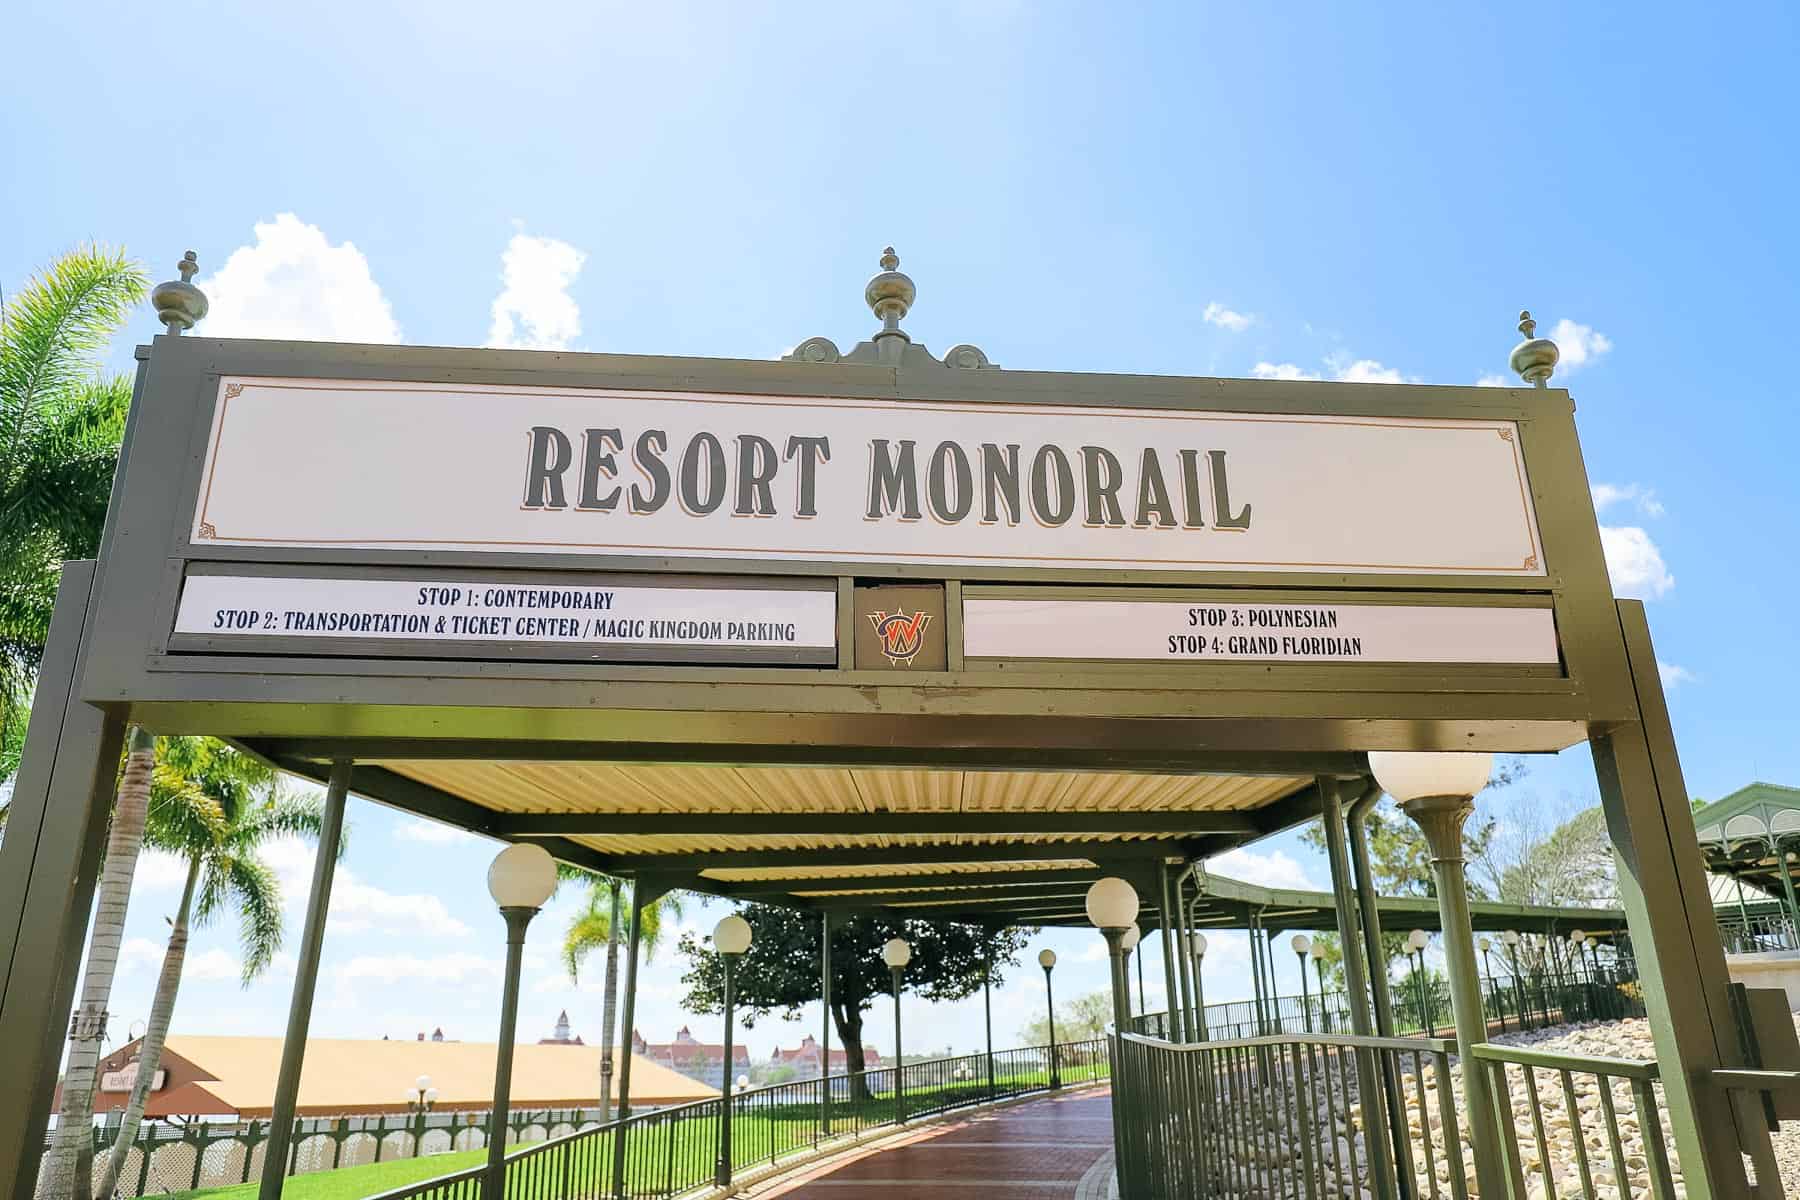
(247, 884)
(588, 931)
(50, 331)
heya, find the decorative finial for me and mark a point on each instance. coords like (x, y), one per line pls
(1534, 358)
(179, 304)
(890, 296)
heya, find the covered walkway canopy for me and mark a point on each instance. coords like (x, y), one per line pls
(853, 628)
(1753, 835)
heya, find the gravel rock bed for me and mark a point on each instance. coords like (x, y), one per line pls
(1344, 1151)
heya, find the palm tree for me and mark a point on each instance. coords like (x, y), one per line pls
(601, 923)
(68, 1170)
(215, 808)
(61, 421)
(60, 426)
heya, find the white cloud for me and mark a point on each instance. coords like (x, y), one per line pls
(138, 953)
(534, 311)
(1269, 370)
(1634, 562)
(1672, 675)
(1578, 345)
(1608, 494)
(1364, 370)
(1225, 318)
(158, 869)
(394, 968)
(1493, 381)
(1274, 869)
(215, 963)
(293, 283)
(358, 906)
(436, 833)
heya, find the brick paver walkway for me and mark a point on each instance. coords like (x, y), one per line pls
(1059, 1147)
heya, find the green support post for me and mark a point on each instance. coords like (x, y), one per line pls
(49, 863)
(1356, 983)
(640, 897)
(987, 1004)
(1674, 936)
(1172, 1029)
(825, 1025)
(1441, 819)
(306, 978)
(1787, 885)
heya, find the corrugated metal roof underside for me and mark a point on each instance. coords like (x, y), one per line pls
(629, 787)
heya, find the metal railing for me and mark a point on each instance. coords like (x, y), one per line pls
(1561, 1123)
(1756, 933)
(1284, 1116)
(1535, 999)
(674, 1150)
(167, 1156)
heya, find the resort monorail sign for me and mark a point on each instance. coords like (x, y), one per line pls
(793, 479)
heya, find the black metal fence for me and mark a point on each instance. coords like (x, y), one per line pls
(675, 1150)
(168, 1156)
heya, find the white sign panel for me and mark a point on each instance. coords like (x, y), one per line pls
(459, 610)
(368, 465)
(1209, 631)
(125, 1079)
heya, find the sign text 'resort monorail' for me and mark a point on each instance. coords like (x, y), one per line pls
(820, 479)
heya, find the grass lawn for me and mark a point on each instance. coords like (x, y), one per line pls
(352, 1183)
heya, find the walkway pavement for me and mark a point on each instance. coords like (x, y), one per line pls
(1057, 1148)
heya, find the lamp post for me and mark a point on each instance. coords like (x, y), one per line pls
(1198, 941)
(1127, 944)
(1486, 947)
(1416, 941)
(1438, 792)
(1047, 960)
(1318, 957)
(896, 954)
(731, 937)
(1302, 947)
(1112, 908)
(1510, 939)
(520, 879)
(421, 1095)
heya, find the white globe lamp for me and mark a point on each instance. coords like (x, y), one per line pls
(522, 876)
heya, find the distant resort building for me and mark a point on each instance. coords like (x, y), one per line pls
(235, 1076)
(804, 1059)
(560, 1036)
(702, 1061)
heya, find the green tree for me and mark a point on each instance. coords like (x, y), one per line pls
(780, 971)
(1079, 1020)
(61, 421)
(603, 922)
(215, 808)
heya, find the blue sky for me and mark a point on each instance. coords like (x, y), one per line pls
(1194, 189)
